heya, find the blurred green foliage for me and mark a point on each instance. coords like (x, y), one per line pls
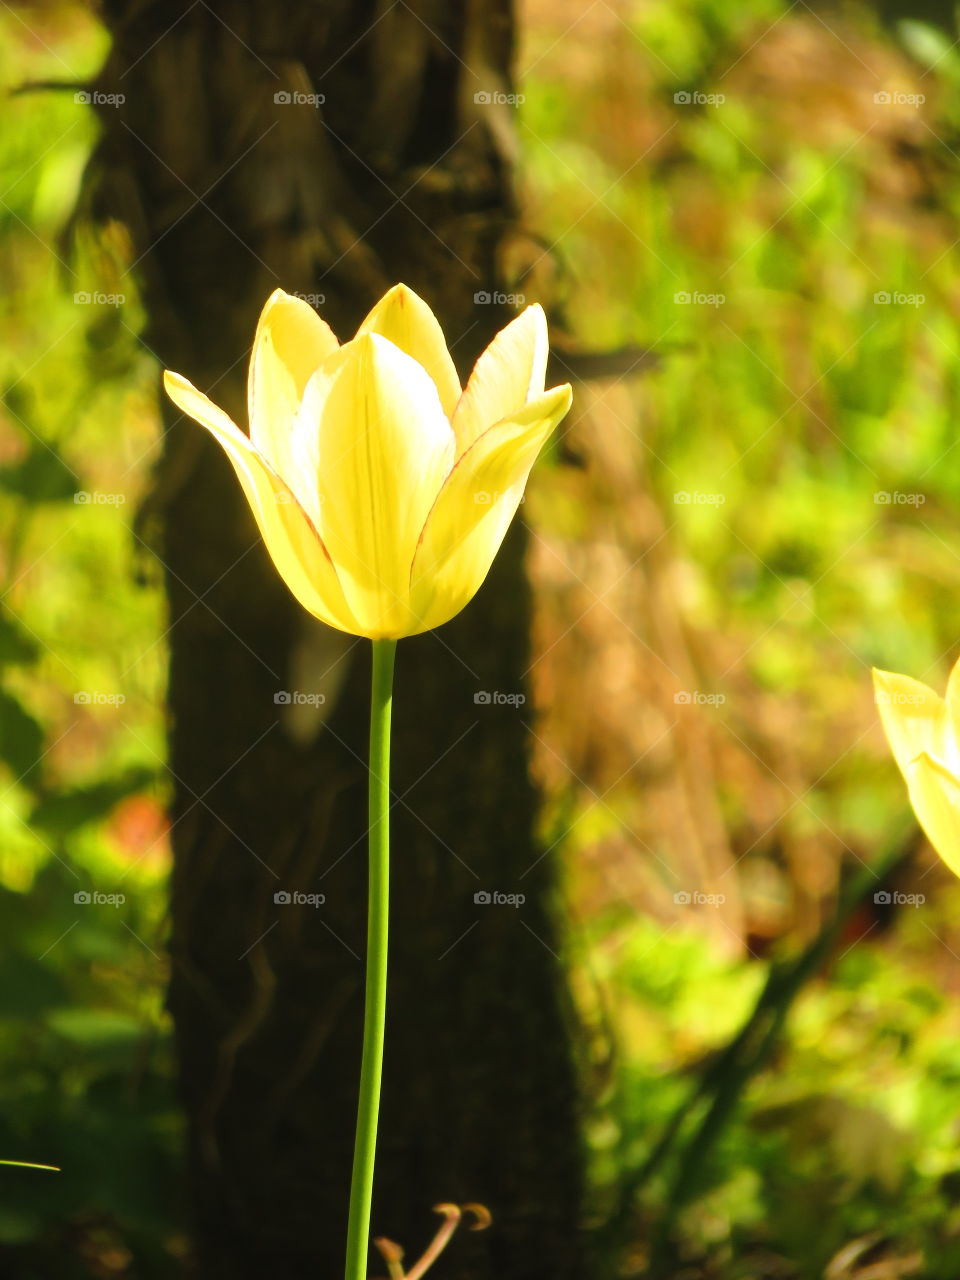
(850, 1136)
(85, 1059)
(818, 409)
(798, 398)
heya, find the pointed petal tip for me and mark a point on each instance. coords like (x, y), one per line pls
(534, 315)
(554, 402)
(402, 295)
(881, 679)
(366, 346)
(177, 386)
(406, 320)
(399, 296)
(277, 297)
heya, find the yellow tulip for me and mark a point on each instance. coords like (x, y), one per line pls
(923, 730)
(382, 490)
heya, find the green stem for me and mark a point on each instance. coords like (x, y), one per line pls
(375, 1005)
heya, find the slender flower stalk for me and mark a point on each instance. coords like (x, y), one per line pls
(382, 490)
(375, 1004)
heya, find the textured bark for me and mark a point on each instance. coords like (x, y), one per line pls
(228, 193)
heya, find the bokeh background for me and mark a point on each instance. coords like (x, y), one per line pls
(764, 953)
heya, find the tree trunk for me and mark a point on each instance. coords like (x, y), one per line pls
(233, 181)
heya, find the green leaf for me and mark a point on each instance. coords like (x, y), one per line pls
(16, 645)
(21, 737)
(96, 1029)
(17, 1226)
(42, 476)
(931, 46)
(61, 812)
(27, 987)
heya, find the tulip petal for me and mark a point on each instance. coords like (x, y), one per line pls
(469, 520)
(302, 446)
(291, 540)
(935, 796)
(290, 344)
(405, 320)
(951, 751)
(913, 717)
(385, 447)
(508, 374)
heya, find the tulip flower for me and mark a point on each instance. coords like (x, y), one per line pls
(382, 490)
(923, 730)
